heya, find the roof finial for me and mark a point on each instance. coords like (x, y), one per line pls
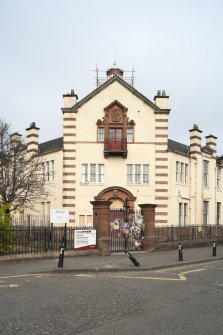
(115, 57)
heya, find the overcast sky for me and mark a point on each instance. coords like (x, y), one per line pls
(49, 47)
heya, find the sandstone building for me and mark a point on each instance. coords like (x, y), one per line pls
(115, 145)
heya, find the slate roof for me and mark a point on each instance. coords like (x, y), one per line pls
(52, 145)
(207, 150)
(178, 147)
(57, 144)
(219, 160)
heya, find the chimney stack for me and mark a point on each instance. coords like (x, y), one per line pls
(32, 138)
(70, 99)
(195, 140)
(161, 99)
(211, 143)
(15, 138)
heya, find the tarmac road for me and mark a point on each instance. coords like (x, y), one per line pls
(186, 299)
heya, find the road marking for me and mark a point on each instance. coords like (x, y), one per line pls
(28, 275)
(11, 285)
(83, 275)
(181, 276)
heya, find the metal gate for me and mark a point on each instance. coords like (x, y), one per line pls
(126, 229)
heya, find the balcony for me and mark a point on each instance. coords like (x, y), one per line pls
(115, 147)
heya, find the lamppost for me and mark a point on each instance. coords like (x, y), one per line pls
(126, 208)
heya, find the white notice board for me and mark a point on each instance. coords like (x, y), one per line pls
(59, 216)
(84, 239)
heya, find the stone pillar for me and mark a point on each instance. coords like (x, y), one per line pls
(148, 212)
(101, 222)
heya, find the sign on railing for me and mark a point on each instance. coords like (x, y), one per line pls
(84, 239)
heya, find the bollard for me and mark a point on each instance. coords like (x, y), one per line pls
(61, 258)
(132, 258)
(180, 249)
(214, 249)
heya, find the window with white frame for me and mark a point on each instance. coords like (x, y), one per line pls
(84, 173)
(145, 174)
(180, 213)
(138, 173)
(92, 173)
(101, 134)
(181, 172)
(218, 179)
(205, 173)
(183, 214)
(101, 173)
(48, 170)
(129, 173)
(186, 173)
(129, 135)
(177, 171)
(218, 214)
(205, 212)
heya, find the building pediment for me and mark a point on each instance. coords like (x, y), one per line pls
(115, 105)
(104, 86)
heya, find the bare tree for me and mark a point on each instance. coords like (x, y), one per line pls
(21, 174)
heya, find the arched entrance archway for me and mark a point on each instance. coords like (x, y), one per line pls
(117, 195)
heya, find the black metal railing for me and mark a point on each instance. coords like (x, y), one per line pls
(27, 220)
(31, 239)
(180, 233)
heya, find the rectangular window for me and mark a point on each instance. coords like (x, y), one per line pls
(92, 173)
(181, 172)
(129, 135)
(186, 174)
(218, 214)
(138, 173)
(185, 214)
(47, 172)
(145, 174)
(180, 213)
(52, 170)
(205, 212)
(177, 171)
(101, 134)
(218, 179)
(101, 173)
(205, 173)
(129, 173)
(43, 170)
(84, 173)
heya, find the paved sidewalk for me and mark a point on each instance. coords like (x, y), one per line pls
(149, 260)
